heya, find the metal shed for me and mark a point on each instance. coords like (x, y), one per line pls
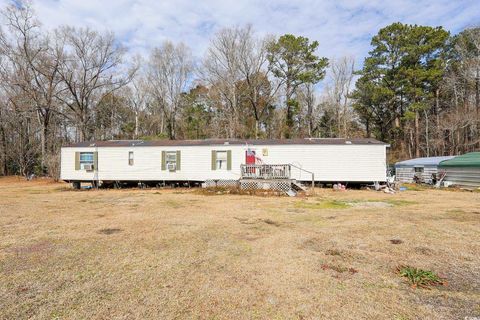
(424, 168)
(463, 170)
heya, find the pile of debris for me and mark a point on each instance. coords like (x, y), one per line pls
(389, 187)
(339, 187)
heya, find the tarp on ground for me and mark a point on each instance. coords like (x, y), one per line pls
(468, 160)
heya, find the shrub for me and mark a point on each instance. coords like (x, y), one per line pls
(419, 277)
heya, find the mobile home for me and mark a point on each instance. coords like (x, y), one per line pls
(423, 168)
(321, 160)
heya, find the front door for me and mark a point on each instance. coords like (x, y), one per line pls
(250, 157)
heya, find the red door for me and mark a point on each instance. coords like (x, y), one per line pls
(250, 156)
(250, 159)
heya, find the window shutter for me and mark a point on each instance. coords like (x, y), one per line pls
(77, 160)
(214, 160)
(95, 160)
(164, 162)
(179, 160)
(229, 160)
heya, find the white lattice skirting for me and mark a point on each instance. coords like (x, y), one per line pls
(279, 185)
(221, 183)
(251, 184)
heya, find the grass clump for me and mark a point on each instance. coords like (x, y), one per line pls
(271, 222)
(173, 204)
(327, 204)
(455, 211)
(415, 187)
(344, 204)
(419, 277)
(333, 252)
(338, 268)
(218, 191)
(400, 203)
(109, 231)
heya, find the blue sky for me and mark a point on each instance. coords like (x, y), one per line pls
(343, 28)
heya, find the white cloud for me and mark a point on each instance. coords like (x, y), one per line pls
(342, 27)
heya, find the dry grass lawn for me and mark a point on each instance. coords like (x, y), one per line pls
(175, 254)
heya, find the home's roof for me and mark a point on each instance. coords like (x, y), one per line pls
(211, 142)
(469, 160)
(421, 162)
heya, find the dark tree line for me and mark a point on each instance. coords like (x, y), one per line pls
(418, 90)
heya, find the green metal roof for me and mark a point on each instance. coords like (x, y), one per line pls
(468, 160)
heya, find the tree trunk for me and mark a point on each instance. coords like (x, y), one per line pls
(4, 152)
(427, 134)
(171, 126)
(477, 101)
(83, 131)
(289, 117)
(417, 134)
(438, 132)
(136, 125)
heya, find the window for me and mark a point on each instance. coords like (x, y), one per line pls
(221, 160)
(418, 169)
(171, 160)
(86, 160)
(130, 158)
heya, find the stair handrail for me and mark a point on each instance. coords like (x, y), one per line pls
(307, 171)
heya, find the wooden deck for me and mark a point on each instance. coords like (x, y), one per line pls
(271, 176)
(266, 171)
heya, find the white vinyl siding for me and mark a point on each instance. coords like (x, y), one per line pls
(462, 176)
(406, 174)
(335, 163)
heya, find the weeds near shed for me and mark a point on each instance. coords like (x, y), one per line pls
(415, 187)
(419, 277)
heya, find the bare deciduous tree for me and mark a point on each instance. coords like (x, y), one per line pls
(35, 66)
(90, 68)
(221, 71)
(339, 88)
(169, 72)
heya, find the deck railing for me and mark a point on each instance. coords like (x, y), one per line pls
(265, 171)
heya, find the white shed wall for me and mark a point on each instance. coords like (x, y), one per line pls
(462, 176)
(406, 174)
(354, 163)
